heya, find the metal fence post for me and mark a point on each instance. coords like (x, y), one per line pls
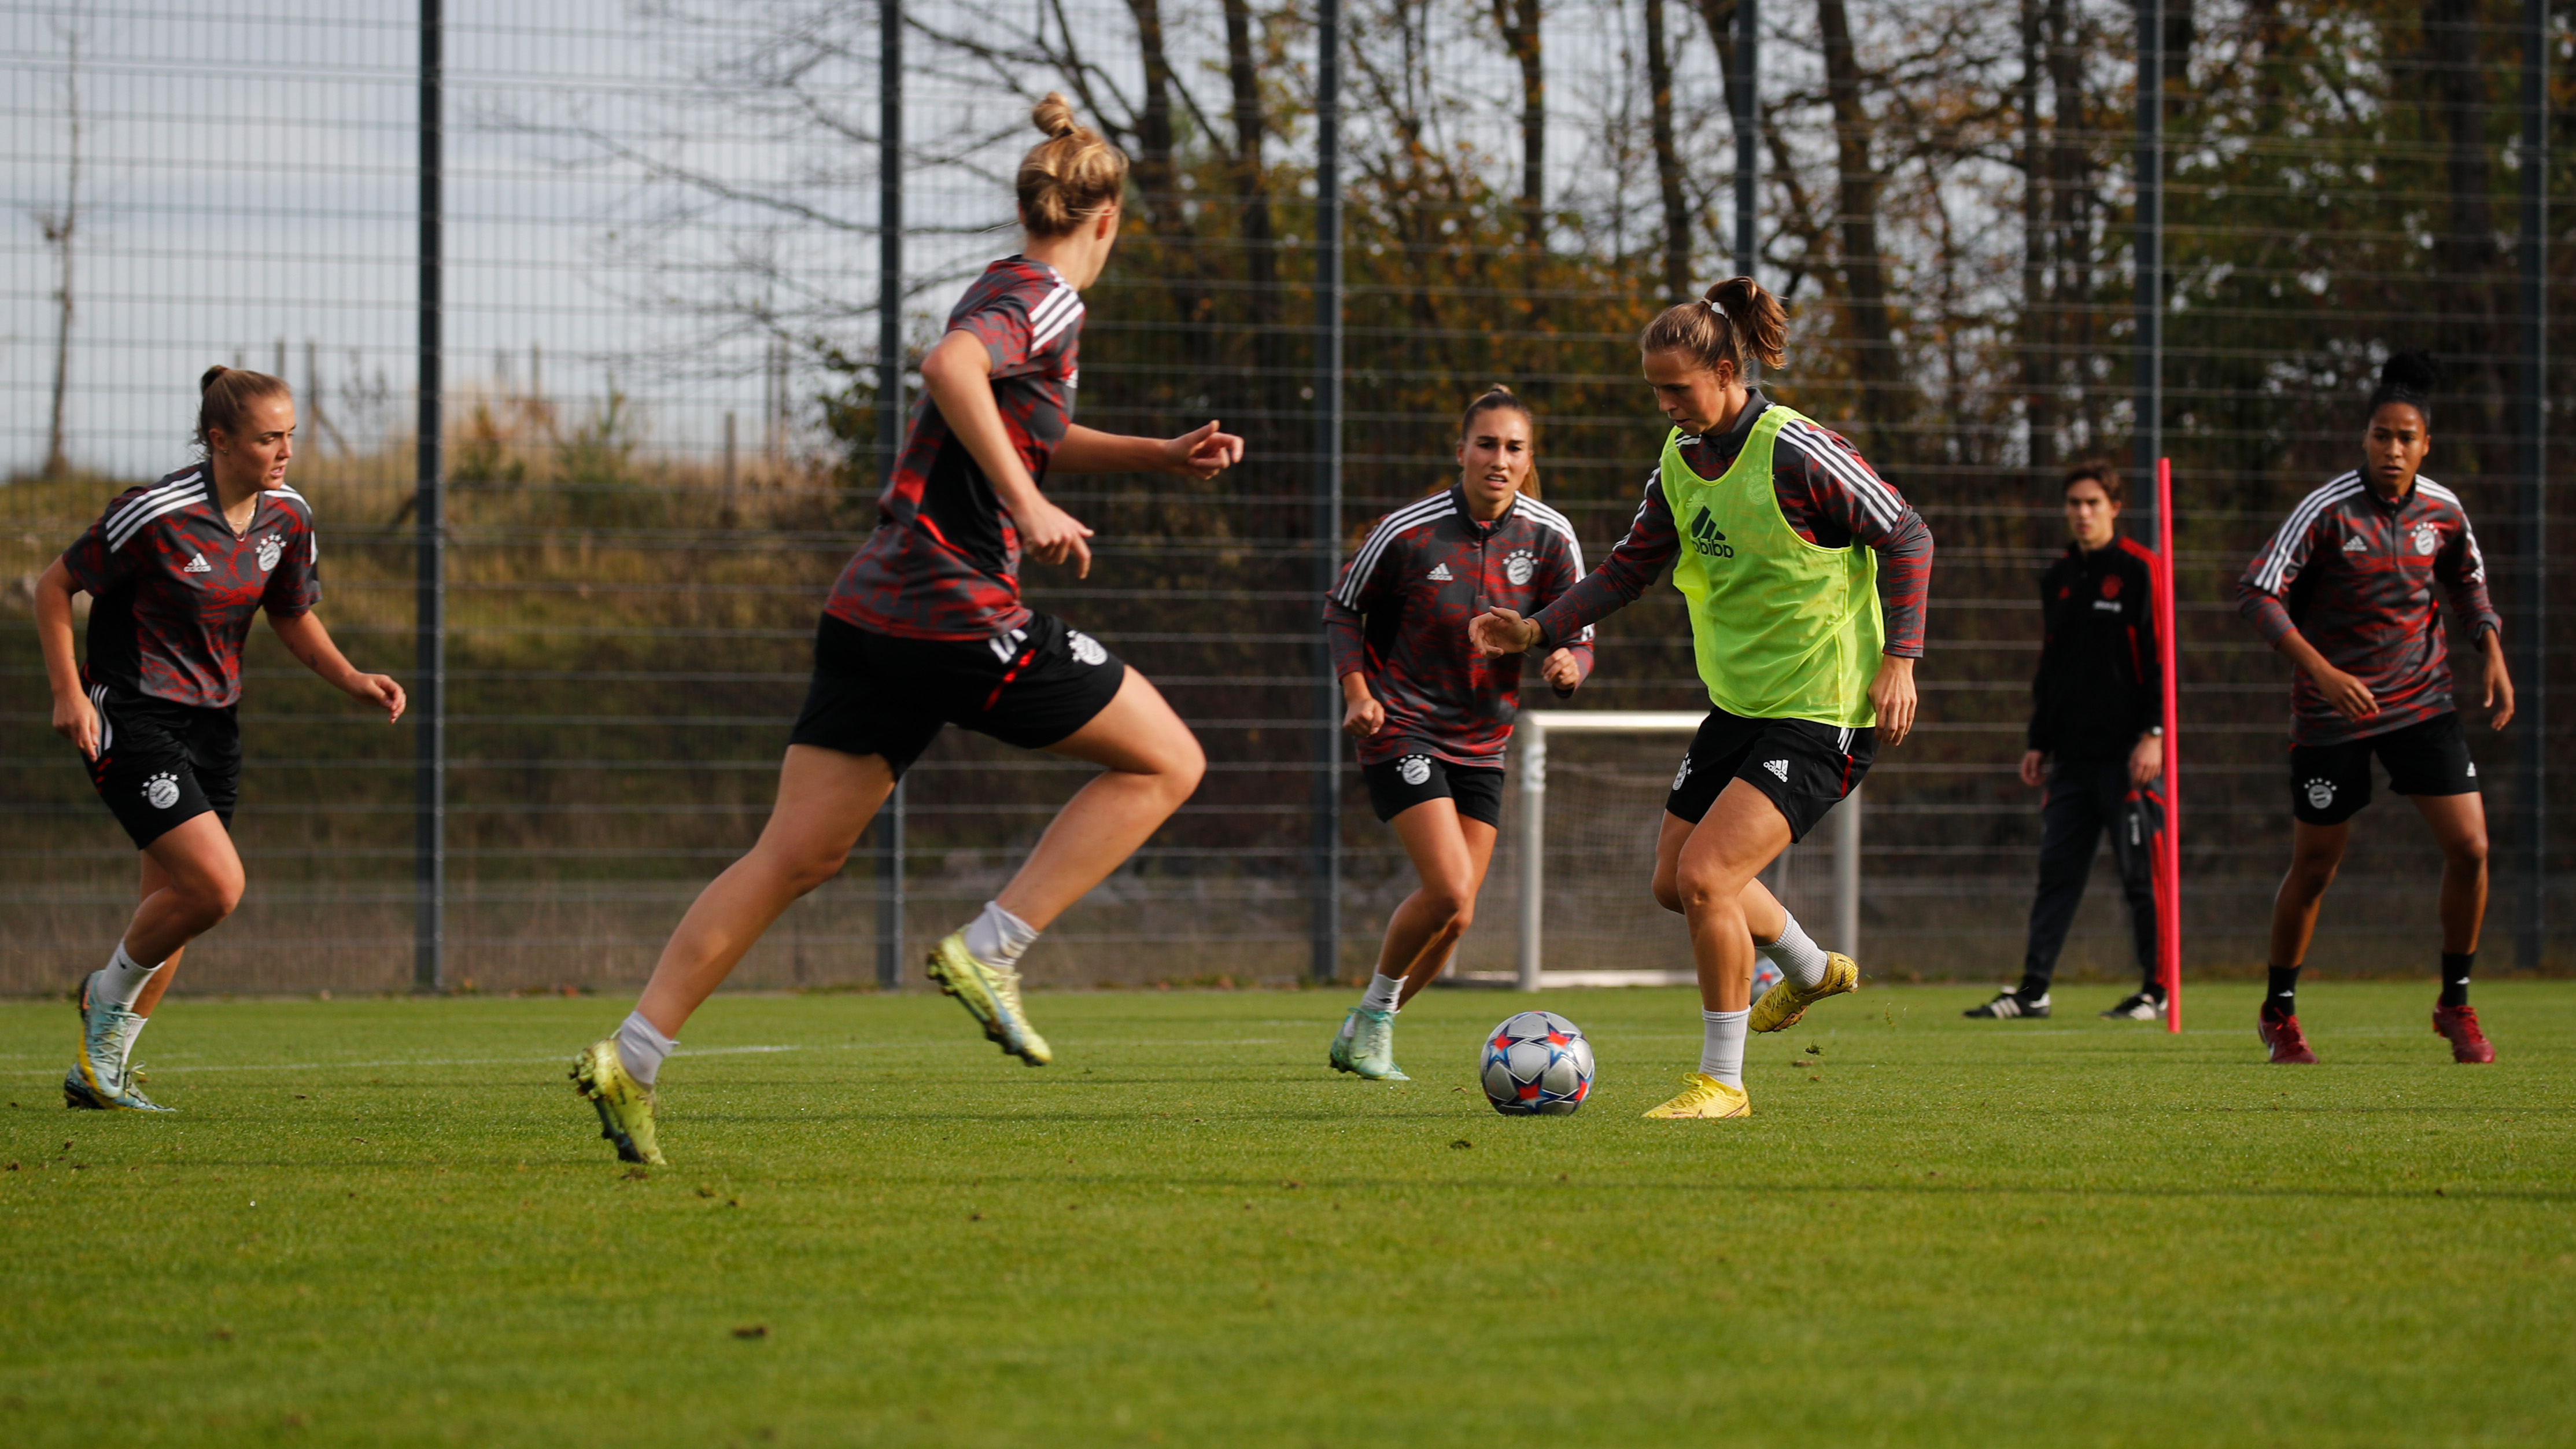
(429, 625)
(1748, 142)
(890, 426)
(2150, 248)
(2533, 406)
(1847, 873)
(1533, 753)
(1327, 925)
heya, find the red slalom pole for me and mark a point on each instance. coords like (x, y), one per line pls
(2169, 845)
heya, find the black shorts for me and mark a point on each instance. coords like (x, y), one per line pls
(162, 764)
(875, 694)
(1398, 785)
(2330, 783)
(1804, 767)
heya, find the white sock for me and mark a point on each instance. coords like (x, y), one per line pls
(997, 937)
(122, 981)
(1798, 957)
(642, 1047)
(1721, 1055)
(1384, 993)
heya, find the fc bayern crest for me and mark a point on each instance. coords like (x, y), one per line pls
(161, 791)
(2321, 794)
(2427, 538)
(269, 548)
(1415, 769)
(1519, 566)
(1086, 648)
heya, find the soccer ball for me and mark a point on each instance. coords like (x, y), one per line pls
(1537, 1064)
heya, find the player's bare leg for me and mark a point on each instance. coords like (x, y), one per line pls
(825, 801)
(1808, 973)
(1742, 833)
(192, 879)
(2316, 854)
(2459, 824)
(1450, 854)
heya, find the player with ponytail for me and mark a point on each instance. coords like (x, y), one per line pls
(2348, 589)
(1430, 714)
(175, 570)
(1783, 540)
(926, 629)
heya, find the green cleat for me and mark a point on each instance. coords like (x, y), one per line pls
(625, 1104)
(990, 994)
(101, 1080)
(1366, 1046)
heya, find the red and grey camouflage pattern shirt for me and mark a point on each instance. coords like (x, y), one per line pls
(2356, 574)
(172, 588)
(944, 562)
(1399, 616)
(1828, 495)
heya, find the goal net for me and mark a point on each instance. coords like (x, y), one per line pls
(1575, 865)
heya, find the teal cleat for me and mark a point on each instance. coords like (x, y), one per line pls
(101, 1079)
(1365, 1046)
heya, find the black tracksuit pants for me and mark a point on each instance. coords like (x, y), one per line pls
(2085, 798)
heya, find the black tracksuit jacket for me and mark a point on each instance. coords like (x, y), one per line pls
(2099, 685)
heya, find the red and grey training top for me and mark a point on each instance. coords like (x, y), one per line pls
(1828, 495)
(2356, 574)
(1399, 616)
(173, 588)
(944, 562)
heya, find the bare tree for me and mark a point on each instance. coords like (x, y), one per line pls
(1518, 20)
(1668, 161)
(1862, 267)
(61, 229)
(1251, 182)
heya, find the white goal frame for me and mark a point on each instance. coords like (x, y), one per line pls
(1529, 742)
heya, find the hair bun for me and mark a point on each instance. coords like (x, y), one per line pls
(2411, 371)
(207, 379)
(1054, 116)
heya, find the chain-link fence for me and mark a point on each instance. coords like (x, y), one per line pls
(659, 317)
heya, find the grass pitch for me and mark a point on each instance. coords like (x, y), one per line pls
(391, 1222)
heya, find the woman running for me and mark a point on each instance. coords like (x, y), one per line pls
(1432, 733)
(174, 571)
(2346, 588)
(1775, 530)
(925, 628)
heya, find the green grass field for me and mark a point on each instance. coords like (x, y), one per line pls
(391, 1222)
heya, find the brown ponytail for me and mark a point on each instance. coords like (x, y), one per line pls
(1735, 318)
(1067, 178)
(225, 395)
(1499, 396)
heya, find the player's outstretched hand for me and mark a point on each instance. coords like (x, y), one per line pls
(1498, 631)
(75, 721)
(1562, 672)
(2034, 768)
(1204, 452)
(1892, 695)
(1051, 535)
(381, 691)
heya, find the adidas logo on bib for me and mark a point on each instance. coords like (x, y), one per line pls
(1779, 769)
(198, 565)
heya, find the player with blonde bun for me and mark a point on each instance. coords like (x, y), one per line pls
(175, 570)
(1776, 531)
(926, 629)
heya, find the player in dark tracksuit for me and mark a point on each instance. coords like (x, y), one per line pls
(2349, 588)
(1431, 715)
(176, 570)
(2096, 740)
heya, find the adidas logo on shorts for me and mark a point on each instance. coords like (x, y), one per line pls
(1779, 770)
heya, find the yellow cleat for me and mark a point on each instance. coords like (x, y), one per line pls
(1706, 1097)
(991, 994)
(625, 1104)
(1782, 1005)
